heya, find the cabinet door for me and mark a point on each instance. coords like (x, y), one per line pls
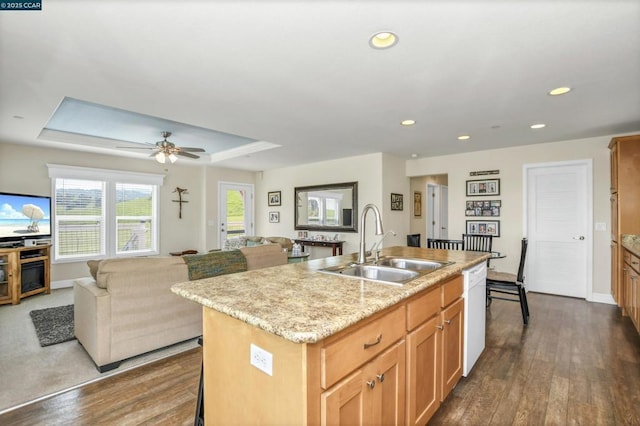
(346, 403)
(626, 289)
(5, 294)
(615, 274)
(388, 372)
(424, 350)
(373, 395)
(614, 166)
(452, 345)
(635, 298)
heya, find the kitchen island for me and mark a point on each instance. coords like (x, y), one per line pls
(315, 341)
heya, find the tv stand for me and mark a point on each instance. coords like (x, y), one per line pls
(24, 271)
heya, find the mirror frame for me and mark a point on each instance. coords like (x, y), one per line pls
(353, 186)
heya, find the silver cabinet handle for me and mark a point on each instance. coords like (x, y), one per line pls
(371, 384)
(440, 327)
(447, 321)
(380, 377)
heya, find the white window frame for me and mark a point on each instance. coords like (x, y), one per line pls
(110, 178)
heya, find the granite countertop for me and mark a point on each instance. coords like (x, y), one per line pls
(297, 303)
(632, 243)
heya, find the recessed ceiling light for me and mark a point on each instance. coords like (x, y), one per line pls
(383, 40)
(464, 137)
(538, 126)
(408, 122)
(414, 155)
(559, 91)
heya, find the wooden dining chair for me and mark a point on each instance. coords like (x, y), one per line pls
(445, 244)
(510, 286)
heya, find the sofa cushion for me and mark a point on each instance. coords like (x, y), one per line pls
(147, 267)
(93, 268)
(215, 263)
(264, 256)
(283, 241)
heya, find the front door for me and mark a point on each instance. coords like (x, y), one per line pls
(235, 216)
(558, 198)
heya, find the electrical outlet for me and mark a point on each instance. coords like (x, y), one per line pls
(262, 359)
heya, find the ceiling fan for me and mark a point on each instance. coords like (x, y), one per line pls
(165, 149)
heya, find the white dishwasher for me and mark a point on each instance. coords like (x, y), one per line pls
(475, 312)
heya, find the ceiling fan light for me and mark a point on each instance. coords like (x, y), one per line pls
(160, 158)
(172, 157)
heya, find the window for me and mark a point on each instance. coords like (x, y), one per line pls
(323, 210)
(103, 213)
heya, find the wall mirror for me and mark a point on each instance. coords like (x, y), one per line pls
(331, 207)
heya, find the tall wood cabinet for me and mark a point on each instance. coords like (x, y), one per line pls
(625, 205)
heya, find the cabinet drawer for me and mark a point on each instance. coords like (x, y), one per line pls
(632, 260)
(451, 290)
(345, 355)
(423, 307)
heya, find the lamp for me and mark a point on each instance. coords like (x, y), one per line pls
(173, 157)
(160, 157)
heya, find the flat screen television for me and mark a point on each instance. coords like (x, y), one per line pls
(24, 217)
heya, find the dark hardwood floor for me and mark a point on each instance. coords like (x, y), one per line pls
(575, 363)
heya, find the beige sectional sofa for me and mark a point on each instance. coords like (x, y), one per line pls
(128, 308)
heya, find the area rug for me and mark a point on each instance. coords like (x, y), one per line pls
(53, 325)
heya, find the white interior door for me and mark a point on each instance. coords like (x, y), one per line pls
(558, 209)
(437, 211)
(235, 210)
(444, 212)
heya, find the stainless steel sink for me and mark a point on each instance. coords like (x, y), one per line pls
(408, 263)
(388, 270)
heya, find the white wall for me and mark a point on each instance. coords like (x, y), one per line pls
(510, 162)
(377, 175)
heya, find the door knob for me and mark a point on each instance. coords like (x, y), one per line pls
(581, 237)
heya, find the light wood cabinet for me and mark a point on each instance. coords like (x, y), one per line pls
(434, 349)
(625, 205)
(452, 341)
(24, 271)
(373, 395)
(407, 357)
(630, 274)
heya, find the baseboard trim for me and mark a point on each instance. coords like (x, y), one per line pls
(602, 298)
(55, 285)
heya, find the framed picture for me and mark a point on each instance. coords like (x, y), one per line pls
(274, 217)
(274, 198)
(483, 208)
(483, 187)
(396, 201)
(483, 227)
(417, 203)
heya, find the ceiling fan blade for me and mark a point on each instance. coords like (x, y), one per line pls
(135, 147)
(191, 149)
(186, 154)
